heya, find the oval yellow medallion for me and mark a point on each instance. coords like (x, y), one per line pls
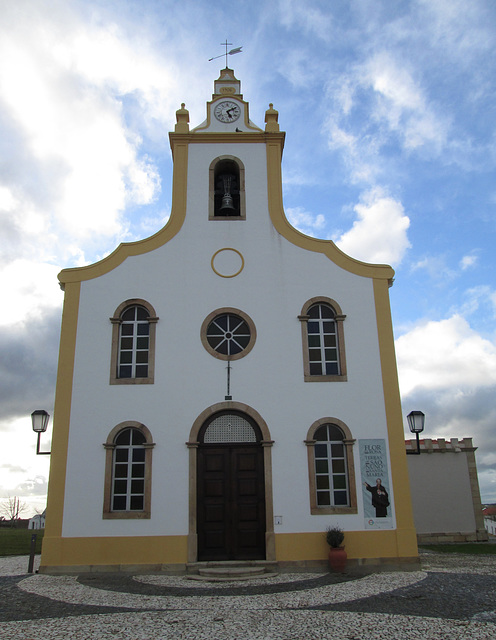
(227, 263)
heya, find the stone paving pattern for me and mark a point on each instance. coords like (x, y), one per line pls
(452, 596)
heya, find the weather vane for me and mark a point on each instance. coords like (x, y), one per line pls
(227, 53)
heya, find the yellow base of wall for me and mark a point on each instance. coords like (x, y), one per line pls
(79, 552)
(158, 553)
(360, 545)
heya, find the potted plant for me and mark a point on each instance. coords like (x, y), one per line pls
(337, 554)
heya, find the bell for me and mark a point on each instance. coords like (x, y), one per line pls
(227, 200)
(227, 203)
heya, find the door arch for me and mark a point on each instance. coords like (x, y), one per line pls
(230, 491)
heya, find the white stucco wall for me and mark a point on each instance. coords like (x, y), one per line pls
(177, 279)
(442, 498)
(490, 525)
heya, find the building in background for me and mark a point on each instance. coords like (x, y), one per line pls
(227, 388)
(445, 491)
(489, 513)
(37, 521)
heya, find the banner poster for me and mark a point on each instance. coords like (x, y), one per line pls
(375, 484)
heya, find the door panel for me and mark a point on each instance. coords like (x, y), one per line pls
(231, 502)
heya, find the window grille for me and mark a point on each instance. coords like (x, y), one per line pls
(229, 428)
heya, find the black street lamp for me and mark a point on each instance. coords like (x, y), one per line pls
(40, 419)
(416, 421)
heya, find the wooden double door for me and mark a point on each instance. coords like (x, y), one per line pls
(231, 501)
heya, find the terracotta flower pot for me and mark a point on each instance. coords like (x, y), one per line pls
(337, 559)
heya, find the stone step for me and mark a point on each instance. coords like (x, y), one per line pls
(230, 571)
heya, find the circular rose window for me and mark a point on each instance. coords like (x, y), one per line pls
(228, 334)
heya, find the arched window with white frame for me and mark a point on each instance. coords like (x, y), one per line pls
(127, 492)
(331, 467)
(133, 343)
(323, 341)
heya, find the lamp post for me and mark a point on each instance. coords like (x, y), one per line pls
(39, 419)
(416, 421)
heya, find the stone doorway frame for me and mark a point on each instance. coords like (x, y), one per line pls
(193, 443)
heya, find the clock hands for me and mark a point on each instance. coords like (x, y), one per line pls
(227, 112)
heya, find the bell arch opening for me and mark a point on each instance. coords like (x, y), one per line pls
(227, 190)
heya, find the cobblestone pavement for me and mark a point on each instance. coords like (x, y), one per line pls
(450, 597)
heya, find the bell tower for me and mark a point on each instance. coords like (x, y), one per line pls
(231, 138)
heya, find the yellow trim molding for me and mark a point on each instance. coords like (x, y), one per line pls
(62, 411)
(280, 222)
(392, 403)
(179, 144)
(222, 275)
(127, 249)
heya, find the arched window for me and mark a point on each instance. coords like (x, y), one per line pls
(227, 189)
(128, 472)
(331, 468)
(323, 341)
(133, 343)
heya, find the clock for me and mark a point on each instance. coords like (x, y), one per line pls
(227, 111)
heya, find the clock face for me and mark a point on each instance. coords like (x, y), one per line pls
(227, 111)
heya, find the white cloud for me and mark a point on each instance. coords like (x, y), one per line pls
(31, 288)
(64, 96)
(296, 177)
(479, 300)
(401, 103)
(153, 224)
(298, 67)
(380, 233)
(36, 486)
(360, 155)
(7, 199)
(468, 261)
(463, 30)
(445, 356)
(470, 300)
(22, 473)
(296, 15)
(436, 267)
(400, 115)
(306, 222)
(447, 370)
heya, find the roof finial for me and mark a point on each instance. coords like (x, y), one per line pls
(228, 53)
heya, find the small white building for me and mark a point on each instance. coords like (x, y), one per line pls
(255, 365)
(489, 514)
(37, 521)
(445, 491)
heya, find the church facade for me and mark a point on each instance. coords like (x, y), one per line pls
(227, 388)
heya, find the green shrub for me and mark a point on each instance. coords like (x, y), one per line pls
(334, 536)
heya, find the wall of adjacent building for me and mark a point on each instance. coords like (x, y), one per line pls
(445, 491)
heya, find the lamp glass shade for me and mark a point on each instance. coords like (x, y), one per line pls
(39, 419)
(416, 421)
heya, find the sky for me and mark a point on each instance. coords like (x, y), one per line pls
(389, 110)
